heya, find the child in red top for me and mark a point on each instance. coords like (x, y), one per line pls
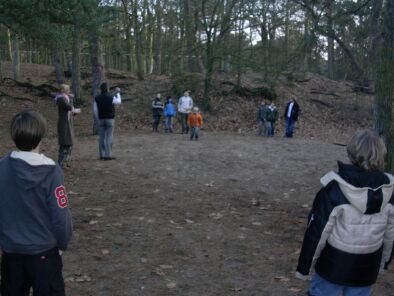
(195, 123)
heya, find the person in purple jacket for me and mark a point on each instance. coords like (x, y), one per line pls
(35, 221)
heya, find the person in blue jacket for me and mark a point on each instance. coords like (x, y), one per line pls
(35, 221)
(169, 114)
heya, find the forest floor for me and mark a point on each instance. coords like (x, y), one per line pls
(221, 216)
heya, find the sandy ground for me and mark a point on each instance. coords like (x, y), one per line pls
(221, 216)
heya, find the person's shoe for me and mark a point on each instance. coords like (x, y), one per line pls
(109, 158)
(102, 158)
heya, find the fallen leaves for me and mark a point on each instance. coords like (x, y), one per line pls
(281, 278)
(171, 285)
(79, 278)
(215, 216)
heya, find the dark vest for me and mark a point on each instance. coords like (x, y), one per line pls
(105, 106)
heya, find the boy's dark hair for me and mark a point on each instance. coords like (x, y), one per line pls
(104, 87)
(27, 130)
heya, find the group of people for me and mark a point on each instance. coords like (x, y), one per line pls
(349, 236)
(268, 115)
(104, 115)
(190, 116)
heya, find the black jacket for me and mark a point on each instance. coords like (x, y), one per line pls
(294, 111)
(350, 232)
(105, 106)
(157, 107)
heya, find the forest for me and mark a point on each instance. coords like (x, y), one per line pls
(224, 215)
(342, 40)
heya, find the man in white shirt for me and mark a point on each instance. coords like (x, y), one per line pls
(185, 106)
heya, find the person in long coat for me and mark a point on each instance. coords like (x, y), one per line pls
(65, 129)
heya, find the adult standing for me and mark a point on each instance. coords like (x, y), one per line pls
(157, 111)
(185, 106)
(65, 129)
(104, 107)
(291, 116)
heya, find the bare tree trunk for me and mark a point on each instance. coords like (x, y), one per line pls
(239, 49)
(9, 44)
(76, 67)
(384, 88)
(287, 23)
(264, 48)
(308, 43)
(129, 46)
(208, 73)
(137, 33)
(189, 35)
(16, 66)
(58, 67)
(157, 46)
(1, 72)
(375, 37)
(98, 74)
(330, 46)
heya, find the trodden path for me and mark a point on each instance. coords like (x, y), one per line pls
(221, 216)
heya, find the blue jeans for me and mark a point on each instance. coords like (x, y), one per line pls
(194, 133)
(270, 128)
(322, 287)
(169, 120)
(290, 125)
(106, 132)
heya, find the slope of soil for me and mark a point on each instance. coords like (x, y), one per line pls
(330, 110)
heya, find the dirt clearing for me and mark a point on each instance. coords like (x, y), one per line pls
(221, 216)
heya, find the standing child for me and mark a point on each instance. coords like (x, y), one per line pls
(350, 234)
(195, 123)
(271, 116)
(157, 110)
(261, 114)
(169, 114)
(34, 216)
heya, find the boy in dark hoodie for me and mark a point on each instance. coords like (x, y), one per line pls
(35, 222)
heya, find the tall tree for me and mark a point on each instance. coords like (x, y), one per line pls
(157, 55)
(384, 86)
(16, 66)
(138, 41)
(76, 63)
(215, 27)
